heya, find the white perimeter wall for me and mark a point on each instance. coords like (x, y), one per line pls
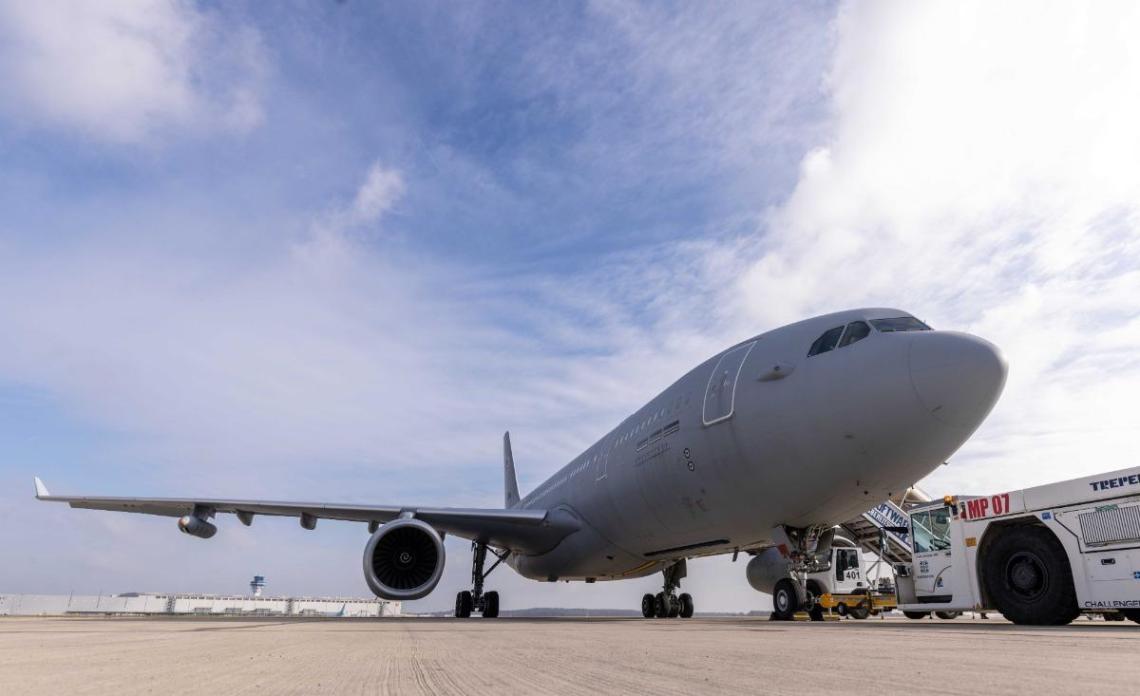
(41, 605)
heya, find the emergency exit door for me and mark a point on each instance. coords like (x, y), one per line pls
(720, 394)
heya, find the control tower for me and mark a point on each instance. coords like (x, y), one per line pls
(256, 585)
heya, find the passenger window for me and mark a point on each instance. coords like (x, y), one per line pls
(826, 342)
(856, 331)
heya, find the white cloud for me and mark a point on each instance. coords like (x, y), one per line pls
(124, 71)
(379, 192)
(984, 171)
(331, 241)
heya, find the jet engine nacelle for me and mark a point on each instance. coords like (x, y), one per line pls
(196, 526)
(403, 559)
(766, 569)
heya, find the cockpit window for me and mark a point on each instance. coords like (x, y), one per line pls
(856, 331)
(826, 342)
(838, 338)
(899, 324)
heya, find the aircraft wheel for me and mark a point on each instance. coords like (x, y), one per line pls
(491, 605)
(916, 614)
(463, 605)
(1028, 575)
(674, 607)
(947, 615)
(648, 606)
(785, 600)
(1132, 615)
(662, 605)
(686, 601)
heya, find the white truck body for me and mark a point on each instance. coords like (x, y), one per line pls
(1095, 520)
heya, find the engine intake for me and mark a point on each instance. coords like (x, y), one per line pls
(403, 560)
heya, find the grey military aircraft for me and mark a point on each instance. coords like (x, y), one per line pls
(767, 444)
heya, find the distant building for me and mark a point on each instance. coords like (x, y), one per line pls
(194, 604)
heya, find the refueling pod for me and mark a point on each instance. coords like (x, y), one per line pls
(196, 526)
(403, 559)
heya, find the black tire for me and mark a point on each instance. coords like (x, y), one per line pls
(648, 606)
(947, 615)
(686, 601)
(785, 600)
(1131, 614)
(1114, 617)
(662, 605)
(674, 607)
(860, 611)
(491, 605)
(1029, 579)
(816, 613)
(916, 615)
(463, 605)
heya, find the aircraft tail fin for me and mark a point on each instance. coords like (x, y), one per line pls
(510, 482)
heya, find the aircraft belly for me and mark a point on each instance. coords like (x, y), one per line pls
(584, 554)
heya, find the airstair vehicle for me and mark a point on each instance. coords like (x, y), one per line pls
(884, 529)
(848, 584)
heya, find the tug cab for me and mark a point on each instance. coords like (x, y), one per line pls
(1040, 556)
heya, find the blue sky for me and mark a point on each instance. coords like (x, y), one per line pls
(332, 250)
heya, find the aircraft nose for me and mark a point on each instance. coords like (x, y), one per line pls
(958, 377)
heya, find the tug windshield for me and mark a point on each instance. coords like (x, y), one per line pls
(930, 530)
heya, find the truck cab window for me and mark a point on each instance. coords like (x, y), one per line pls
(845, 559)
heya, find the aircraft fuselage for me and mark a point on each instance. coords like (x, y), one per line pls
(763, 435)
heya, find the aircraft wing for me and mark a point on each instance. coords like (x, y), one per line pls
(521, 531)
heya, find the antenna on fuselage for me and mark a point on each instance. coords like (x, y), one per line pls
(510, 482)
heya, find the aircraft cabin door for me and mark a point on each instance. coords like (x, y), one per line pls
(720, 394)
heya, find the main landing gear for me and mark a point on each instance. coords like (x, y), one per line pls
(486, 603)
(666, 604)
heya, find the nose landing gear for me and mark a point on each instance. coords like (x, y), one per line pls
(666, 604)
(486, 603)
(793, 594)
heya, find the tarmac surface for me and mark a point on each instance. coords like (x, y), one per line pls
(561, 656)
